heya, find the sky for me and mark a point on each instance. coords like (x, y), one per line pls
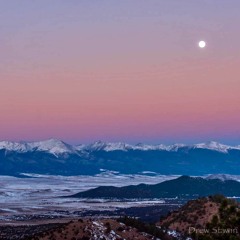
(132, 71)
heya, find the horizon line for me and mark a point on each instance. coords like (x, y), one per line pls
(123, 142)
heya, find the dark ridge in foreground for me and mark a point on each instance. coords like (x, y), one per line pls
(210, 218)
(182, 187)
(85, 229)
(26, 232)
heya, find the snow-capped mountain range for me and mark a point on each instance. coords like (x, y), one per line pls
(57, 147)
(56, 157)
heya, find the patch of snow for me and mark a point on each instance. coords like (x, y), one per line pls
(80, 147)
(175, 147)
(223, 177)
(173, 233)
(15, 146)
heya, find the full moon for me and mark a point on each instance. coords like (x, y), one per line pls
(202, 44)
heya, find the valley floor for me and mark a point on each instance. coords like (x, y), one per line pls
(40, 196)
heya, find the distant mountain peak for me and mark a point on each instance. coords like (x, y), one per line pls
(212, 145)
(53, 146)
(108, 147)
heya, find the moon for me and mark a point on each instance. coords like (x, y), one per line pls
(202, 44)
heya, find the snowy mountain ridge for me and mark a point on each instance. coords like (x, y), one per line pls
(57, 147)
(52, 146)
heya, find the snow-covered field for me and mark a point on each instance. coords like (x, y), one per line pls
(42, 193)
